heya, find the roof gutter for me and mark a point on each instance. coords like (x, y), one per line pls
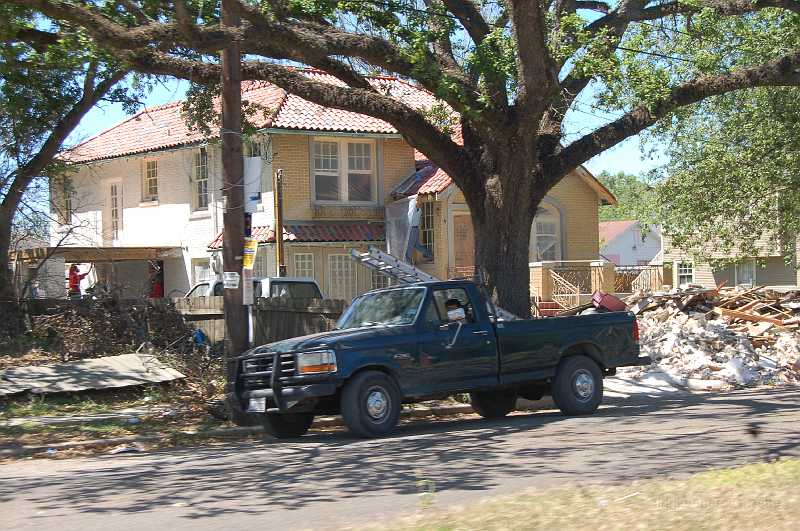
(281, 131)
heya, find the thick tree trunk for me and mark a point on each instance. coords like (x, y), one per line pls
(502, 215)
(6, 278)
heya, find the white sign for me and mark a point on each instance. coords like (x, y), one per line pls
(247, 287)
(230, 279)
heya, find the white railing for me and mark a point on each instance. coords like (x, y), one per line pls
(565, 293)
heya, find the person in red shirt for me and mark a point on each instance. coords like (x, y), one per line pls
(75, 277)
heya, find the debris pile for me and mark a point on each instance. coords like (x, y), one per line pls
(741, 338)
(108, 326)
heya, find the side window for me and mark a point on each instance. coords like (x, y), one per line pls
(451, 299)
(432, 317)
(217, 289)
(256, 289)
(199, 290)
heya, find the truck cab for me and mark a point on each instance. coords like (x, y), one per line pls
(275, 287)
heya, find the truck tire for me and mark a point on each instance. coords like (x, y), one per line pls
(370, 404)
(578, 386)
(493, 404)
(286, 425)
(237, 414)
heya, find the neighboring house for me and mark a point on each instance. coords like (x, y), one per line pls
(767, 268)
(148, 195)
(625, 242)
(565, 228)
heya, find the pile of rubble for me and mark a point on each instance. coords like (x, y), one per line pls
(107, 326)
(740, 338)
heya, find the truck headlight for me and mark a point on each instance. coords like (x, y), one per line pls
(316, 362)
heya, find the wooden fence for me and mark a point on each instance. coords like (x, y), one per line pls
(276, 319)
(273, 319)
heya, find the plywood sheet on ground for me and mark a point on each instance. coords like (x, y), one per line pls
(99, 373)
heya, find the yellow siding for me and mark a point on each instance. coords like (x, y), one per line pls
(579, 204)
(292, 154)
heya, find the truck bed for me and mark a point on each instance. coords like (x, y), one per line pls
(532, 349)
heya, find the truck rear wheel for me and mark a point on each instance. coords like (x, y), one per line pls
(578, 386)
(371, 404)
(286, 425)
(493, 404)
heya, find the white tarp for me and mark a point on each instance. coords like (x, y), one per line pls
(99, 373)
(402, 227)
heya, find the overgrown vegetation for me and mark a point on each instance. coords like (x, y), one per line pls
(759, 496)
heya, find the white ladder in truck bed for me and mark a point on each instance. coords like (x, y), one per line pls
(403, 272)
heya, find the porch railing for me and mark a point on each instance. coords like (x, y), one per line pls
(630, 279)
(567, 294)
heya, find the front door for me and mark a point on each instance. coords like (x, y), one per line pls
(456, 353)
(463, 247)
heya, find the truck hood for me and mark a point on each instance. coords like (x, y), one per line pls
(335, 339)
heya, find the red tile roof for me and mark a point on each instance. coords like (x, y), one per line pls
(164, 126)
(317, 232)
(609, 230)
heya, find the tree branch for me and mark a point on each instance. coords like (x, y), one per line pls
(470, 17)
(408, 121)
(783, 71)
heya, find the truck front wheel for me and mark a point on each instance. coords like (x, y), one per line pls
(286, 425)
(371, 404)
(493, 404)
(578, 386)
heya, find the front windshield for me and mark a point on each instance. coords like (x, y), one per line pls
(383, 308)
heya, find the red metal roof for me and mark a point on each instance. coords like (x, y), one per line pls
(164, 126)
(317, 232)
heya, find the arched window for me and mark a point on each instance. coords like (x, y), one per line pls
(545, 243)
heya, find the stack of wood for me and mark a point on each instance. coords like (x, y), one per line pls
(759, 312)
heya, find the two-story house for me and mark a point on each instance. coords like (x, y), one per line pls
(146, 196)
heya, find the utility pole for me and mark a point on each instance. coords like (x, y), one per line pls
(277, 187)
(233, 218)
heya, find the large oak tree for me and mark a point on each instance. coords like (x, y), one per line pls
(49, 80)
(512, 70)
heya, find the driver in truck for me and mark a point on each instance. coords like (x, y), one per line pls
(455, 312)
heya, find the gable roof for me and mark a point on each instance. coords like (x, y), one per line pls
(610, 230)
(164, 127)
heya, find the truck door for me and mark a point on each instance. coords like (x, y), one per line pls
(458, 349)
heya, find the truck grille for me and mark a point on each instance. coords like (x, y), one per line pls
(257, 372)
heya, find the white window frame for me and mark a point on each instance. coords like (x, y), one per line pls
(427, 226)
(304, 265)
(737, 268)
(379, 280)
(67, 196)
(343, 170)
(147, 179)
(115, 208)
(201, 264)
(340, 287)
(684, 270)
(200, 188)
(549, 214)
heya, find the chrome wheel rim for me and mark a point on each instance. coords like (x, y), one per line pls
(583, 385)
(377, 404)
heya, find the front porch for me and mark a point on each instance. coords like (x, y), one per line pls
(559, 285)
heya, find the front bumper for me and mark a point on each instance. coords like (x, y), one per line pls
(283, 391)
(294, 393)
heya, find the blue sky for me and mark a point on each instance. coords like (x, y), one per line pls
(626, 156)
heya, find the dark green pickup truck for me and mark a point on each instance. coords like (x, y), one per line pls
(428, 340)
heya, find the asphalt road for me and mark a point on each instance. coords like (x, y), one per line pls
(330, 480)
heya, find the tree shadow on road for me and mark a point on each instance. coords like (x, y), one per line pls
(631, 438)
